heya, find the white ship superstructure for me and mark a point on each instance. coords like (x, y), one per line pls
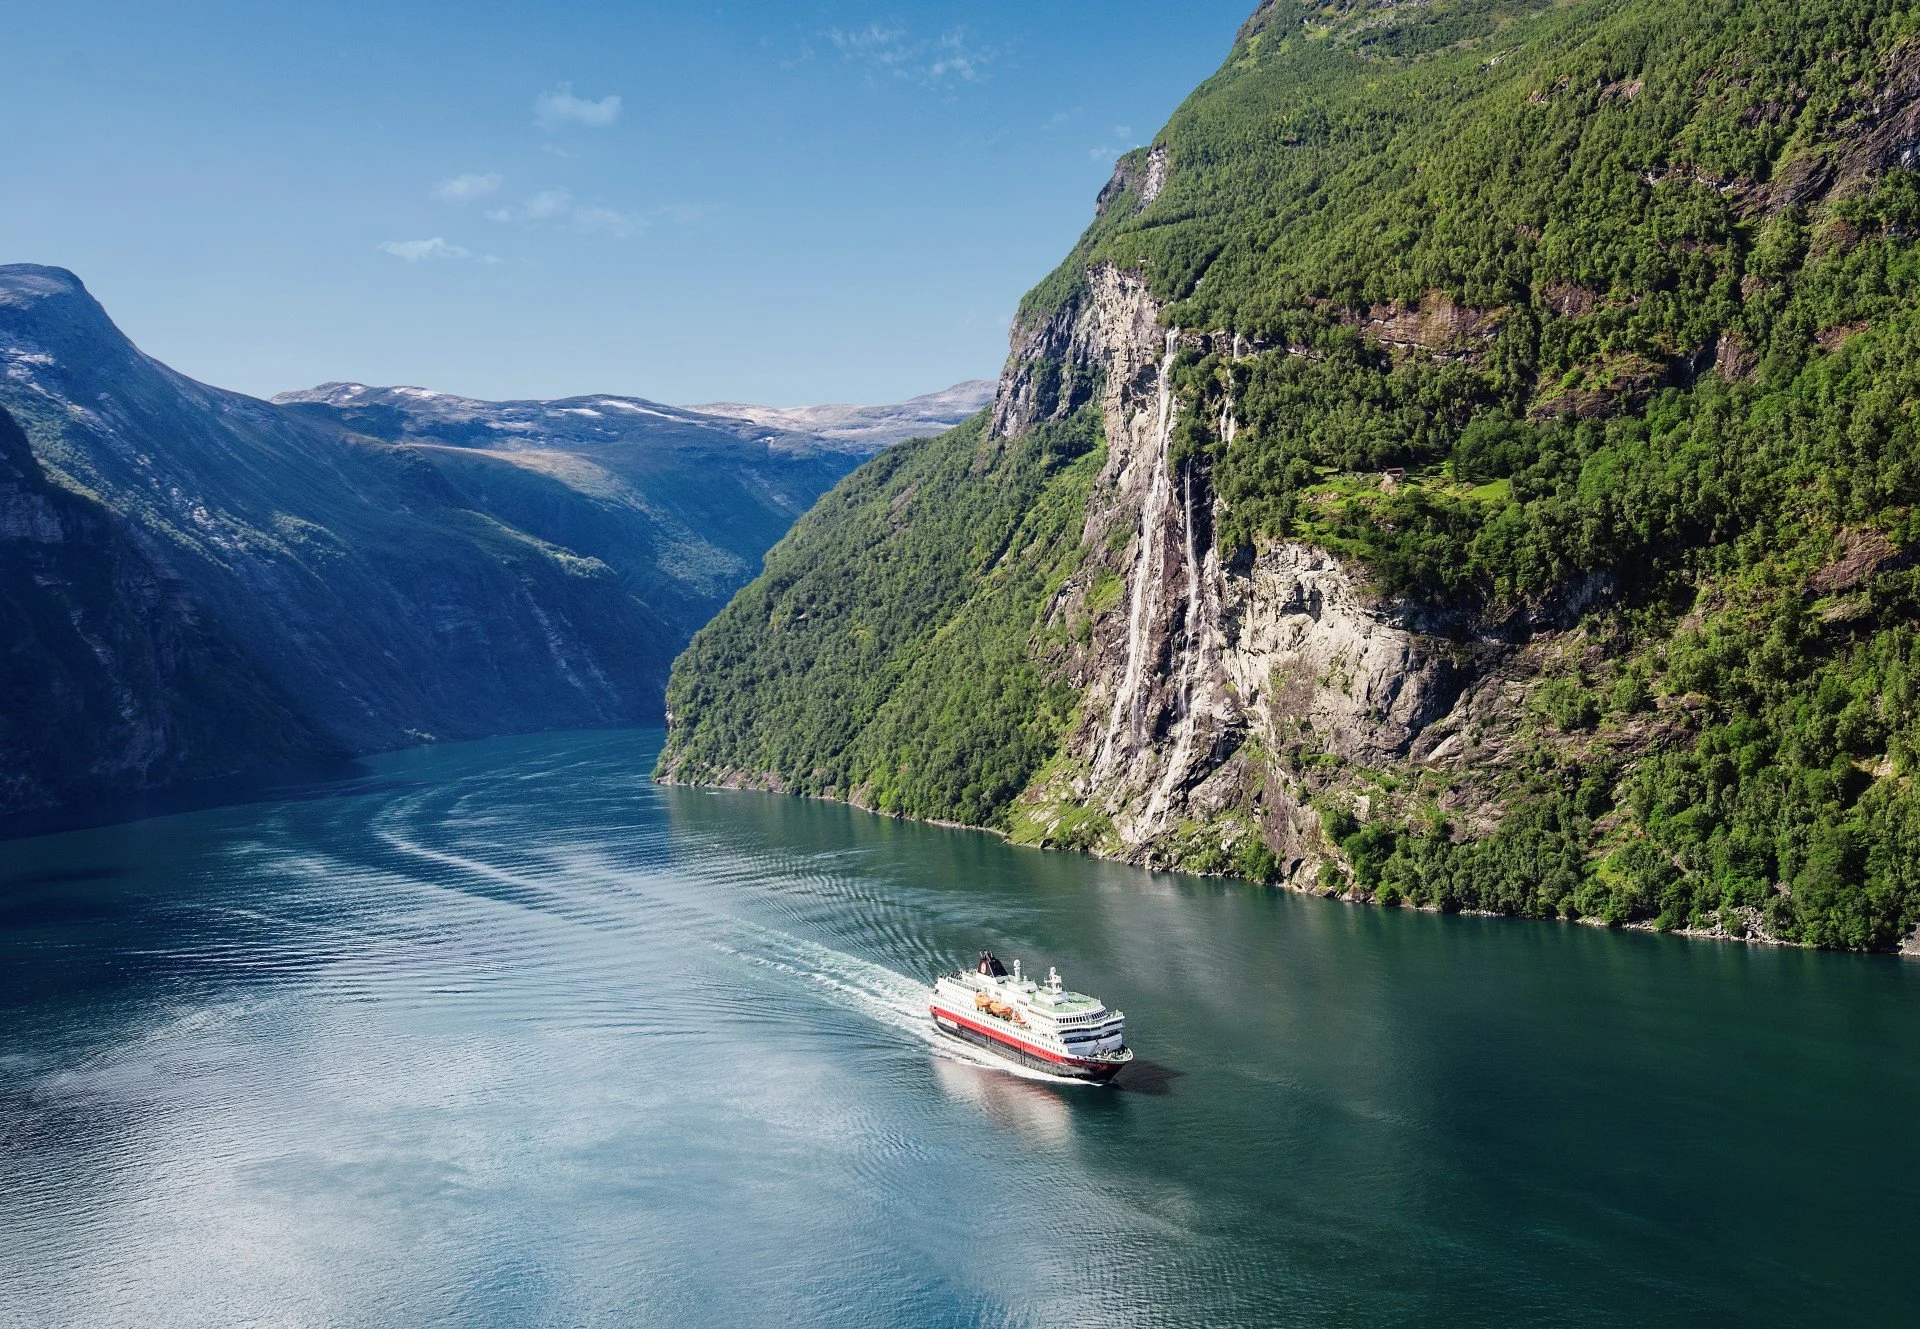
(1041, 1025)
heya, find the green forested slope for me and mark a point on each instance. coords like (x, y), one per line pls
(884, 654)
(1630, 290)
(1633, 192)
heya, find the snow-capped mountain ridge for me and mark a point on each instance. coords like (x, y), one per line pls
(424, 415)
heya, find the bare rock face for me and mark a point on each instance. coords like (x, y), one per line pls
(1143, 176)
(1307, 652)
(1203, 674)
(1112, 332)
(1436, 325)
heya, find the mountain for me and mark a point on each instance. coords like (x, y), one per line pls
(200, 582)
(870, 427)
(111, 679)
(685, 503)
(416, 415)
(1468, 462)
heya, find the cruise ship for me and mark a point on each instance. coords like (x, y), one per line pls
(1039, 1025)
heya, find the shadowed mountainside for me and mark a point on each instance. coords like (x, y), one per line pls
(110, 679)
(346, 570)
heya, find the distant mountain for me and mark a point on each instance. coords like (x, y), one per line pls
(195, 582)
(416, 415)
(658, 460)
(870, 427)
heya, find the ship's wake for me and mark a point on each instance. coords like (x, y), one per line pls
(884, 995)
(596, 890)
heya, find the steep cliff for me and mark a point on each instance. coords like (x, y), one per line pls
(1224, 698)
(110, 680)
(1500, 481)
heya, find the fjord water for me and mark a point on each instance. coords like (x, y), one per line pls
(501, 1034)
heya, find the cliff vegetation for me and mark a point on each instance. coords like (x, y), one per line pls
(1582, 336)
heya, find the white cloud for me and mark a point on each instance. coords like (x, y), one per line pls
(557, 107)
(547, 204)
(883, 46)
(557, 209)
(954, 59)
(685, 214)
(607, 221)
(950, 58)
(419, 251)
(413, 251)
(467, 188)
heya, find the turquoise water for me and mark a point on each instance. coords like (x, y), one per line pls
(500, 1034)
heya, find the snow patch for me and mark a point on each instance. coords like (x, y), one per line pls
(635, 409)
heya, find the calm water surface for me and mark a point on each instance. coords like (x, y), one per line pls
(499, 1034)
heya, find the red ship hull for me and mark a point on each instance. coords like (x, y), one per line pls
(1005, 1041)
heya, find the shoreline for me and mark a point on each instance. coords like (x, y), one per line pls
(1908, 949)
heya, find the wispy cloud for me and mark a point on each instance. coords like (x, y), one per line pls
(558, 209)
(557, 107)
(609, 221)
(955, 58)
(422, 251)
(950, 58)
(467, 188)
(547, 205)
(685, 214)
(887, 47)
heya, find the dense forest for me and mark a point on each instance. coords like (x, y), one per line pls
(1613, 302)
(884, 654)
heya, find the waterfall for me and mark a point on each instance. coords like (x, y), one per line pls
(1195, 628)
(1144, 593)
(1192, 684)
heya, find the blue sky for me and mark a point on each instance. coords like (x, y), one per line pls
(784, 203)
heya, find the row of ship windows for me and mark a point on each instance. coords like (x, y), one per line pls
(1083, 1035)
